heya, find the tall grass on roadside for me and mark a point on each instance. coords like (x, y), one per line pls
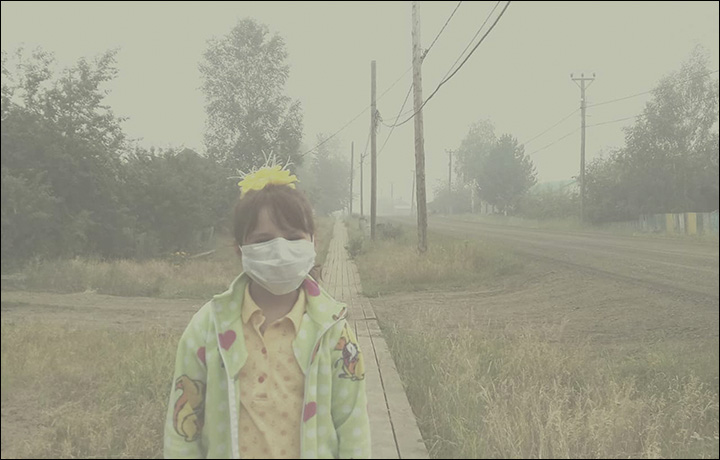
(152, 278)
(85, 393)
(176, 277)
(392, 264)
(520, 394)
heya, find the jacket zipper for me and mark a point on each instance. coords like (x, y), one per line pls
(307, 378)
(232, 410)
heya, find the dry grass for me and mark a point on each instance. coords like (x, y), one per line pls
(178, 276)
(152, 278)
(393, 264)
(84, 393)
(521, 394)
(72, 391)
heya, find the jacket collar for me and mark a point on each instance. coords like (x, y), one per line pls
(249, 308)
(322, 311)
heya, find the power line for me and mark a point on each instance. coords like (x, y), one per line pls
(457, 69)
(459, 57)
(367, 142)
(650, 91)
(474, 48)
(472, 39)
(441, 30)
(400, 112)
(577, 129)
(563, 119)
(392, 128)
(336, 132)
(554, 142)
(445, 77)
(394, 83)
(609, 102)
(614, 121)
(358, 115)
(619, 99)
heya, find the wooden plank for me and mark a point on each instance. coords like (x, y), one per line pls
(381, 429)
(393, 425)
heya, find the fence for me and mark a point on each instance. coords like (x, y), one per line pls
(690, 223)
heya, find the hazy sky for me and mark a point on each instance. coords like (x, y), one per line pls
(518, 78)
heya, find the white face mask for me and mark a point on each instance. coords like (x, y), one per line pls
(279, 265)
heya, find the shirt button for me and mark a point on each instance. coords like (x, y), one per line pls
(264, 351)
(261, 379)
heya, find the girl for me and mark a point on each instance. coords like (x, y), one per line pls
(270, 368)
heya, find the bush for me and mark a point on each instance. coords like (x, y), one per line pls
(356, 246)
(388, 231)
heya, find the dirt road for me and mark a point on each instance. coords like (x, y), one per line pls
(673, 266)
(606, 287)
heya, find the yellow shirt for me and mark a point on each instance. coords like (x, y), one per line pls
(271, 384)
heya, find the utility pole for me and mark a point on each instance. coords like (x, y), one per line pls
(412, 194)
(373, 153)
(449, 180)
(583, 104)
(352, 164)
(450, 152)
(362, 203)
(419, 141)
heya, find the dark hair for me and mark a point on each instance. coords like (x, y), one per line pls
(289, 209)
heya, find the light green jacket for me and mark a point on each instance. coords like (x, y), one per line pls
(202, 417)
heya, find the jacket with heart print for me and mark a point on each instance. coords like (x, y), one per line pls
(202, 417)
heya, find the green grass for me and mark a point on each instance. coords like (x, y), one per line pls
(484, 394)
(84, 393)
(392, 263)
(178, 276)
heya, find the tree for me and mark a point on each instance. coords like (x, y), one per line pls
(249, 116)
(325, 178)
(59, 139)
(175, 194)
(506, 174)
(498, 168)
(474, 147)
(669, 162)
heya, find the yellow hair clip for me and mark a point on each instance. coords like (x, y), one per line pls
(270, 173)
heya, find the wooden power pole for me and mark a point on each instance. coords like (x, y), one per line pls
(412, 194)
(373, 152)
(419, 141)
(582, 79)
(450, 196)
(352, 164)
(362, 203)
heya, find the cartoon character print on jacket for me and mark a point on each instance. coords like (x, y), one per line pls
(189, 408)
(353, 367)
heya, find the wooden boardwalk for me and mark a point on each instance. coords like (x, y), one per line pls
(393, 426)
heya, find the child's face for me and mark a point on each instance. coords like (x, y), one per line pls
(266, 230)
